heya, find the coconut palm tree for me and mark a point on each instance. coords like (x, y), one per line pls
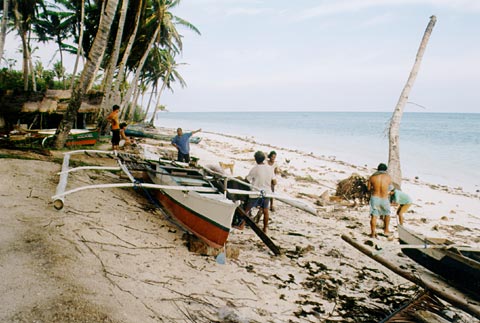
(95, 57)
(169, 74)
(54, 23)
(24, 14)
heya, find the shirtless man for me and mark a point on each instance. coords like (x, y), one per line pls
(379, 187)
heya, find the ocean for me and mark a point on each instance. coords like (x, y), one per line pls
(439, 148)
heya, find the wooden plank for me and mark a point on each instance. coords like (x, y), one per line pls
(268, 242)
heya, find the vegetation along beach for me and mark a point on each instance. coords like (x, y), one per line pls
(105, 220)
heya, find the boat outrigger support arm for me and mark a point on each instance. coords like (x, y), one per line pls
(59, 197)
(62, 183)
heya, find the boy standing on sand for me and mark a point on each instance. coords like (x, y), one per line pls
(261, 176)
(182, 142)
(115, 125)
(379, 187)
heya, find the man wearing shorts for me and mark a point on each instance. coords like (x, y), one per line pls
(115, 124)
(379, 187)
(261, 176)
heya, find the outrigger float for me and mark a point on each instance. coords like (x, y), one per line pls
(200, 200)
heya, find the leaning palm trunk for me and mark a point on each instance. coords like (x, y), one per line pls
(126, 55)
(105, 6)
(394, 142)
(94, 58)
(80, 42)
(157, 104)
(3, 29)
(107, 97)
(140, 67)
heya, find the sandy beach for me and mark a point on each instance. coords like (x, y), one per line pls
(110, 256)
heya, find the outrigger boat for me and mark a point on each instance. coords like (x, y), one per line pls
(458, 264)
(199, 200)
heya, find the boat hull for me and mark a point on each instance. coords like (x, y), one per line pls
(460, 268)
(207, 215)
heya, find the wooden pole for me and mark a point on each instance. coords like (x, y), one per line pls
(460, 303)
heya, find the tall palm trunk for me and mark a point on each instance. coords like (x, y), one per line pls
(3, 29)
(23, 36)
(105, 6)
(106, 100)
(126, 55)
(140, 66)
(394, 142)
(80, 41)
(94, 58)
(157, 104)
(150, 100)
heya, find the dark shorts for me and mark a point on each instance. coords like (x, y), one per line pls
(115, 137)
(258, 202)
(183, 157)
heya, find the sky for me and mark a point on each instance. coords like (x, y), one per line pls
(325, 55)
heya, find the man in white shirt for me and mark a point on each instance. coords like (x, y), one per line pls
(260, 176)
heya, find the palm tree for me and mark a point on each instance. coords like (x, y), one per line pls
(24, 14)
(394, 168)
(95, 57)
(169, 74)
(114, 58)
(55, 23)
(167, 36)
(3, 28)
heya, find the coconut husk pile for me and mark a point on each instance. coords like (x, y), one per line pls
(353, 188)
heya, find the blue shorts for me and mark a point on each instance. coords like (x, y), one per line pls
(258, 202)
(379, 206)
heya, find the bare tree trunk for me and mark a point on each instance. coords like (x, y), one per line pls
(88, 74)
(394, 168)
(3, 30)
(80, 41)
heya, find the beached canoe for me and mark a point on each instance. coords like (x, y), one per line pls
(77, 137)
(208, 215)
(460, 265)
(144, 132)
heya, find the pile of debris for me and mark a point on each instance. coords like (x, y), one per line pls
(354, 188)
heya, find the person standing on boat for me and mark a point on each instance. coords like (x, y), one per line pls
(182, 142)
(272, 163)
(115, 126)
(261, 176)
(403, 201)
(379, 185)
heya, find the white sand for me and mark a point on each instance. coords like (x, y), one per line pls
(109, 257)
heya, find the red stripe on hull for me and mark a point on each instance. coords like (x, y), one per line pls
(81, 142)
(213, 235)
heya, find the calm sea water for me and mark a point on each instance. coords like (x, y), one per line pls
(440, 148)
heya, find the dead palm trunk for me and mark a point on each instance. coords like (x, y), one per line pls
(88, 74)
(80, 42)
(3, 29)
(393, 135)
